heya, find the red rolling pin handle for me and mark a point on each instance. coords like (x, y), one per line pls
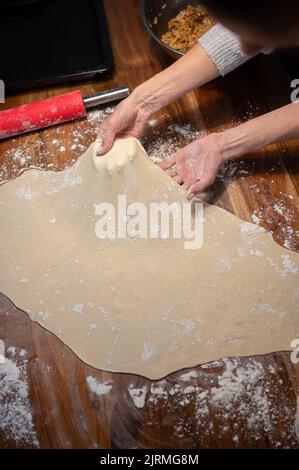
(41, 114)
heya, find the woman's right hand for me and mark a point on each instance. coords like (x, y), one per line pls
(128, 120)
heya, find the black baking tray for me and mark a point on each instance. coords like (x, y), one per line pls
(46, 42)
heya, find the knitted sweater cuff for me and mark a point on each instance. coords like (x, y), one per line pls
(223, 48)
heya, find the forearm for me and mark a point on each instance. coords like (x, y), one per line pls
(281, 124)
(191, 71)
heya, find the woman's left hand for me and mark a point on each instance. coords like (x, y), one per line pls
(196, 165)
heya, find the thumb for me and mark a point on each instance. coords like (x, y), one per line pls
(200, 186)
(166, 164)
(106, 135)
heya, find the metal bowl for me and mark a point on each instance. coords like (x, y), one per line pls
(164, 11)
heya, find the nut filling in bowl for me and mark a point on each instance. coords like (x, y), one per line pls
(185, 29)
(175, 25)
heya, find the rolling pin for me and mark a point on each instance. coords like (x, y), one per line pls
(53, 111)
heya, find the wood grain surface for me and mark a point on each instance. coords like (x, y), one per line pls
(239, 403)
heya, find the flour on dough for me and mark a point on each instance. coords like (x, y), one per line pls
(133, 305)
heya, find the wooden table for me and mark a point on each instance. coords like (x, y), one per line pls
(261, 413)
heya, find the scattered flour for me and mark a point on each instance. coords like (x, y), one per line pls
(138, 396)
(230, 397)
(279, 208)
(97, 387)
(16, 423)
(166, 144)
(256, 218)
(99, 115)
(21, 157)
(189, 375)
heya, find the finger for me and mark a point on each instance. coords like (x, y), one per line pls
(172, 171)
(178, 179)
(167, 163)
(200, 186)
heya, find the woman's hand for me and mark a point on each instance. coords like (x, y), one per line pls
(128, 120)
(196, 165)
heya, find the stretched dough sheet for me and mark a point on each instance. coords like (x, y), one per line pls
(136, 305)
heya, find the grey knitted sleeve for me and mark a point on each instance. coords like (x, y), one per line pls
(223, 48)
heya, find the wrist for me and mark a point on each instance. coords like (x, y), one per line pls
(253, 134)
(237, 141)
(229, 145)
(146, 99)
